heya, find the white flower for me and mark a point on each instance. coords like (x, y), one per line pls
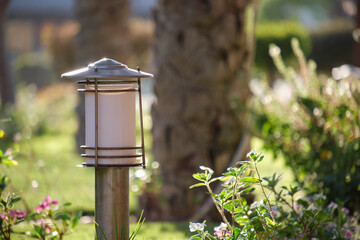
(257, 204)
(320, 196)
(207, 169)
(196, 226)
(274, 50)
(311, 207)
(222, 227)
(228, 179)
(253, 151)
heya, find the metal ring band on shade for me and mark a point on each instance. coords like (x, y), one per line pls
(96, 82)
(105, 82)
(109, 91)
(84, 164)
(111, 156)
(111, 148)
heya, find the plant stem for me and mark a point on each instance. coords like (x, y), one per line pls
(9, 229)
(313, 230)
(292, 208)
(233, 207)
(263, 190)
(57, 228)
(217, 206)
(3, 233)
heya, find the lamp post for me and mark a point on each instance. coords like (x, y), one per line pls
(110, 121)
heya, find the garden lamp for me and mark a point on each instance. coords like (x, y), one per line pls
(110, 146)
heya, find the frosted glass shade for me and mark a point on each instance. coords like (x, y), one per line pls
(116, 123)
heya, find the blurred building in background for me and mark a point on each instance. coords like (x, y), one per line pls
(39, 32)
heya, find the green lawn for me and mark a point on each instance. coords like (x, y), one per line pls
(47, 167)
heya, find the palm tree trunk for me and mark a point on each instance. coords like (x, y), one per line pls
(200, 52)
(357, 43)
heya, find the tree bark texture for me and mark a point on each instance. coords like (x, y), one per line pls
(103, 33)
(6, 85)
(357, 43)
(200, 51)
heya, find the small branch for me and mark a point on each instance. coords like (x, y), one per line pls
(313, 230)
(263, 190)
(289, 205)
(217, 207)
(233, 207)
(2, 232)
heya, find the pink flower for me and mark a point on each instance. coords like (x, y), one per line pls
(13, 214)
(16, 213)
(332, 205)
(221, 230)
(43, 225)
(46, 204)
(222, 233)
(348, 234)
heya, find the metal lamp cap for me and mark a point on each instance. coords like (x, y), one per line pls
(105, 69)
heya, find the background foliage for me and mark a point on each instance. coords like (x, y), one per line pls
(317, 129)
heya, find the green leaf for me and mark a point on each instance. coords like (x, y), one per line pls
(228, 206)
(76, 219)
(303, 203)
(250, 180)
(244, 162)
(9, 162)
(216, 179)
(102, 231)
(260, 159)
(196, 237)
(247, 191)
(15, 200)
(231, 172)
(38, 229)
(224, 179)
(138, 226)
(269, 222)
(241, 218)
(221, 196)
(308, 213)
(236, 233)
(243, 202)
(294, 190)
(320, 216)
(229, 195)
(199, 176)
(197, 185)
(63, 217)
(3, 182)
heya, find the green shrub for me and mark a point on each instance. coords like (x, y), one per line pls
(281, 214)
(279, 33)
(317, 130)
